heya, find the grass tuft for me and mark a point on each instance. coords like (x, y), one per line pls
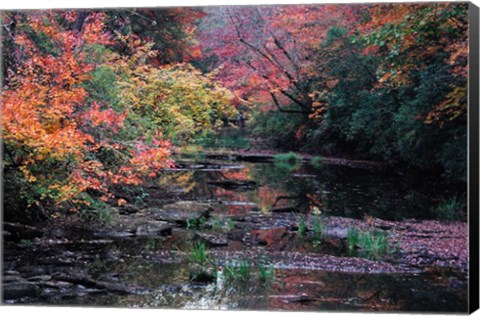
(302, 228)
(369, 244)
(199, 254)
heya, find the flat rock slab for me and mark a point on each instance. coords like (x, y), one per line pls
(188, 206)
(128, 226)
(334, 232)
(178, 217)
(15, 290)
(269, 236)
(87, 281)
(154, 228)
(284, 209)
(234, 184)
(212, 240)
(179, 212)
(20, 231)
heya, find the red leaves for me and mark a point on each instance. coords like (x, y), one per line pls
(94, 30)
(107, 118)
(55, 132)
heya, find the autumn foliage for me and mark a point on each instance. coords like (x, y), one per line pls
(66, 138)
(93, 100)
(374, 81)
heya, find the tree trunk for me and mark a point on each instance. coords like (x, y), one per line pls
(77, 26)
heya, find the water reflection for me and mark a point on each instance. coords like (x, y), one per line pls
(298, 290)
(333, 190)
(240, 189)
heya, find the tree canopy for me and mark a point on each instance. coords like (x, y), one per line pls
(93, 100)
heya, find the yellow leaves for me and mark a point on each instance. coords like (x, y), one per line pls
(27, 174)
(180, 99)
(66, 143)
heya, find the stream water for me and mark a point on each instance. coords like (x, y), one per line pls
(242, 196)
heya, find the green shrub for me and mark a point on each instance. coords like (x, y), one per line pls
(99, 212)
(276, 127)
(229, 139)
(245, 274)
(289, 157)
(192, 151)
(195, 223)
(450, 209)
(220, 225)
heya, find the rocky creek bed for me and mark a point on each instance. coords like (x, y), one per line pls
(144, 259)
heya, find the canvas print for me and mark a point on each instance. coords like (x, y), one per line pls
(268, 157)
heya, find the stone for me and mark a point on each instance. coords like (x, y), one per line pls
(201, 274)
(234, 184)
(12, 279)
(269, 236)
(188, 206)
(18, 290)
(284, 209)
(212, 240)
(114, 234)
(128, 209)
(19, 231)
(11, 272)
(335, 232)
(177, 213)
(154, 228)
(39, 278)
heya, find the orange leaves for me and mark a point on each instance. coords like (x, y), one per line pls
(454, 105)
(107, 118)
(151, 159)
(94, 30)
(381, 14)
(37, 109)
(57, 132)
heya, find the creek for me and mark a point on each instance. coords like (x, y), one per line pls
(251, 214)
